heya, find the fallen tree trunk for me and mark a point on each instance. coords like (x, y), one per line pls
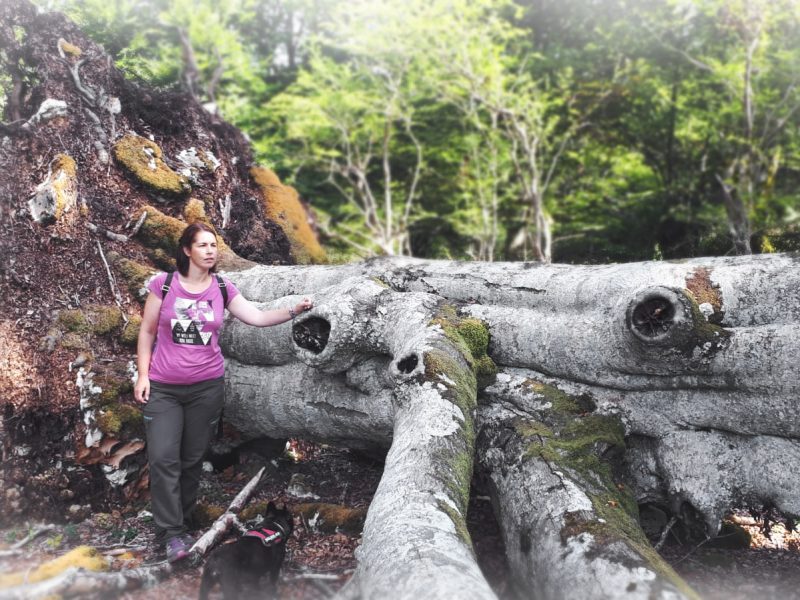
(664, 361)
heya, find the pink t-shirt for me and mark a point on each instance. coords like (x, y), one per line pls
(187, 339)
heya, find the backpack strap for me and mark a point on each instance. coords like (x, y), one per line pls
(223, 290)
(167, 283)
(220, 282)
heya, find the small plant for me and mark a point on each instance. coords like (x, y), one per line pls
(55, 541)
(71, 531)
(11, 536)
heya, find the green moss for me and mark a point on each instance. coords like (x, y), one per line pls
(63, 183)
(561, 403)
(528, 428)
(142, 159)
(73, 320)
(130, 335)
(195, 212)
(282, 205)
(251, 511)
(160, 231)
(163, 259)
(576, 443)
(82, 557)
(69, 49)
(458, 522)
(442, 368)
(132, 273)
(485, 371)
(205, 514)
(476, 335)
(113, 385)
(104, 319)
(116, 417)
(471, 338)
(74, 341)
(615, 522)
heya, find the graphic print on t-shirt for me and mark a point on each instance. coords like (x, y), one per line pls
(191, 315)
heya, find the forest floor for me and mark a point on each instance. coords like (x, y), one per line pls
(319, 563)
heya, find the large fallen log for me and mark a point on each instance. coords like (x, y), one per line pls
(612, 381)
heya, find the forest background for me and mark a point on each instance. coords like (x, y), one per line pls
(557, 130)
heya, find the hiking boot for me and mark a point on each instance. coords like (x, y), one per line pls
(178, 548)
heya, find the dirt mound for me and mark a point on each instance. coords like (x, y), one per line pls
(84, 153)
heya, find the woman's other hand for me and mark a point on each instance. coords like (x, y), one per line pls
(141, 390)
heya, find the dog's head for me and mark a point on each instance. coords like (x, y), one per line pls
(278, 516)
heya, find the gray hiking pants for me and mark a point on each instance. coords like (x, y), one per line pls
(180, 421)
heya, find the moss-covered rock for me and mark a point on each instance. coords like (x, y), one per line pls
(133, 274)
(74, 341)
(130, 334)
(142, 159)
(73, 320)
(58, 194)
(117, 417)
(69, 49)
(161, 233)
(283, 206)
(104, 319)
(205, 514)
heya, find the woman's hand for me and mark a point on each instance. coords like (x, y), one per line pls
(304, 305)
(141, 390)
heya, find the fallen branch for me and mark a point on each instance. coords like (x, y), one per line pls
(139, 223)
(112, 283)
(75, 582)
(666, 531)
(34, 533)
(221, 526)
(114, 237)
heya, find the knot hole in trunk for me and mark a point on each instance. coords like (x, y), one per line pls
(408, 364)
(653, 317)
(312, 334)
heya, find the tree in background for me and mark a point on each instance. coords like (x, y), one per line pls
(738, 72)
(585, 131)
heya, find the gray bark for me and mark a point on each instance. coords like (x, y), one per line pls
(690, 359)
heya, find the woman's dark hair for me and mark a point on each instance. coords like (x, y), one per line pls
(186, 241)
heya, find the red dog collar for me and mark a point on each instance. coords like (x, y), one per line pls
(268, 537)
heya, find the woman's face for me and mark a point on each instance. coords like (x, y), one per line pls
(203, 253)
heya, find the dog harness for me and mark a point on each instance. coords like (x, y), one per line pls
(268, 537)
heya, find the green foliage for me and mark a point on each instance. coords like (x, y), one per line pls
(482, 129)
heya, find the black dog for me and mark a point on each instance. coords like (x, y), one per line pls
(241, 567)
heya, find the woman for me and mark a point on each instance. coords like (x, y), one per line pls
(181, 376)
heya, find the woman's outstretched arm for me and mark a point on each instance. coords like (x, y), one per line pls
(246, 311)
